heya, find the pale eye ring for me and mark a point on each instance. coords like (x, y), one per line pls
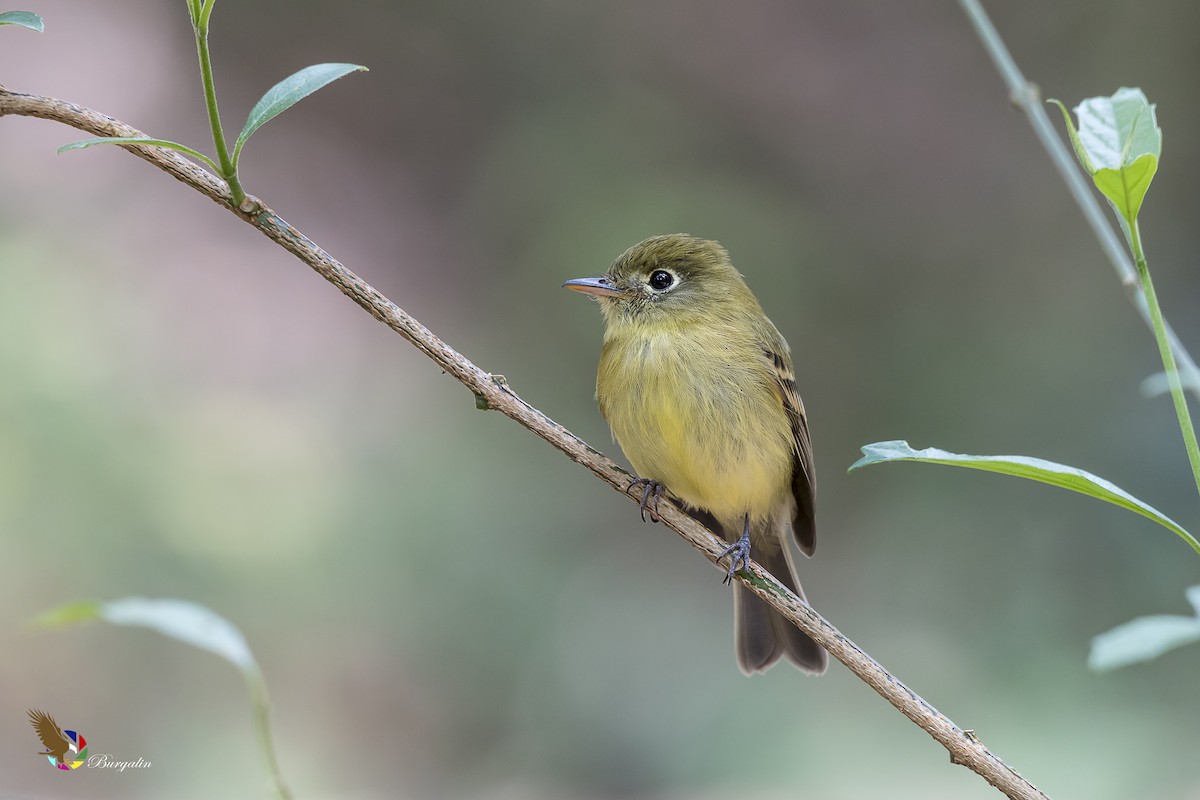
(661, 280)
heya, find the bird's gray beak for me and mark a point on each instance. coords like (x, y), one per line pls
(597, 287)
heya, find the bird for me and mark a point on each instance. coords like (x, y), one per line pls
(698, 387)
(53, 739)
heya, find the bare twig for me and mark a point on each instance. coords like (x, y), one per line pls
(494, 393)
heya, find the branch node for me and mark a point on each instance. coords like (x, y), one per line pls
(1026, 95)
(250, 205)
(481, 401)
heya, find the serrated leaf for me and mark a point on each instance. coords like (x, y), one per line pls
(142, 140)
(1145, 638)
(1123, 144)
(1118, 130)
(25, 19)
(1036, 469)
(287, 93)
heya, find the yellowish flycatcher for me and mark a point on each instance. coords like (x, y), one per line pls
(698, 388)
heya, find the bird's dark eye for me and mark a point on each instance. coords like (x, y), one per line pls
(660, 279)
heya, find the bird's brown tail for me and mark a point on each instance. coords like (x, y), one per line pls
(762, 635)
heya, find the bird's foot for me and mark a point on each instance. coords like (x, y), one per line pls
(651, 492)
(738, 552)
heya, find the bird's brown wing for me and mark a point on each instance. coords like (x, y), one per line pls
(803, 478)
(51, 735)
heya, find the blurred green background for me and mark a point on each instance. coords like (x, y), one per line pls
(443, 606)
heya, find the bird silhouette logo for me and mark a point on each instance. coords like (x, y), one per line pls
(66, 750)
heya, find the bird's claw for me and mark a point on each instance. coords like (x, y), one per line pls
(651, 492)
(738, 553)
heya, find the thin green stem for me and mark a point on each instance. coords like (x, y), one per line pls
(1164, 350)
(262, 723)
(228, 167)
(1026, 96)
(206, 12)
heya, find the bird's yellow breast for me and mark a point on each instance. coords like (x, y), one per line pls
(698, 411)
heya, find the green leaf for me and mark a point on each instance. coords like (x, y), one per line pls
(142, 140)
(26, 19)
(1035, 469)
(287, 93)
(1126, 188)
(1145, 638)
(187, 622)
(179, 619)
(198, 626)
(1118, 130)
(1073, 132)
(70, 614)
(1119, 143)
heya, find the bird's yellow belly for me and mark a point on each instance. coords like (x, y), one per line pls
(717, 438)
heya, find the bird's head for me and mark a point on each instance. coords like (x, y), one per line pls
(674, 278)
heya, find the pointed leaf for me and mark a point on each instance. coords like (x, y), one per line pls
(1036, 469)
(185, 621)
(1073, 132)
(142, 140)
(1145, 638)
(26, 19)
(198, 626)
(287, 93)
(70, 614)
(1126, 188)
(179, 619)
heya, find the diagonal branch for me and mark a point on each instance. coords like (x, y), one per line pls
(493, 392)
